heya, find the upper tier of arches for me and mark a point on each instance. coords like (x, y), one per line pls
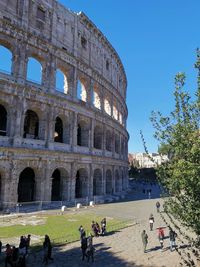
(64, 80)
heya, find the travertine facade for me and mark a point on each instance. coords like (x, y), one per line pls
(53, 145)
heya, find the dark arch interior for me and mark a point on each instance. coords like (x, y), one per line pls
(97, 138)
(3, 120)
(79, 135)
(55, 192)
(78, 186)
(26, 186)
(58, 135)
(31, 125)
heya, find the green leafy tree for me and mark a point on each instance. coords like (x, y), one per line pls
(179, 136)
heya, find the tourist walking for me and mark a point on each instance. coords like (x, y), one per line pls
(172, 238)
(82, 232)
(90, 252)
(158, 206)
(47, 248)
(84, 247)
(151, 221)
(144, 240)
(8, 258)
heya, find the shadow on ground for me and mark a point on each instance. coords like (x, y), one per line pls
(71, 257)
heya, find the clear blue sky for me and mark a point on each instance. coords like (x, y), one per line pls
(155, 39)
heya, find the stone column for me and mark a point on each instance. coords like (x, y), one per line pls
(90, 182)
(113, 142)
(72, 182)
(113, 179)
(91, 134)
(51, 75)
(104, 180)
(74, 84)
(50, 126)
(104, 139)
(20, 63)
(74, 131)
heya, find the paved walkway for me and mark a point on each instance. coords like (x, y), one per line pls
(122, 248)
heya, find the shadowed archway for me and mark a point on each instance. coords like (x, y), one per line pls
(26, 186)
(81, 186)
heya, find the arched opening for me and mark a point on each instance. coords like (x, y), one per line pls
(96, 100)
(108, 182)
(56, 186)
(120, 117)
(123, 181)
(82, 134)
(5, 60)
(107, 106)
(3, 120)
(98, 137)
(26, 186)
(58, 134)
(34, 70)
(81, 91)
(97, 183)
(117, 143)
(61, 82)
(115, 113)
(117, 182)
(81, 186)
(108, 141)
(31, 125)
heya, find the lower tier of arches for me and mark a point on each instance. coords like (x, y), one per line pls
(30, 180)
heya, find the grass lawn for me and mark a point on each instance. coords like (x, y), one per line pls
(60, 228)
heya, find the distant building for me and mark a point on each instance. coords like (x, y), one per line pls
(143, 160)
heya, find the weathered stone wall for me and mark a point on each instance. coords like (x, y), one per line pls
(60, 39)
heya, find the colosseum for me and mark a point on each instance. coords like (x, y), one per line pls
(63, 107)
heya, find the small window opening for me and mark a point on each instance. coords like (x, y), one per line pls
(41, 14)
(107, 65)
(83, 42)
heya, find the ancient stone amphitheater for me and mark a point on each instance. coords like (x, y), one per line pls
(63, 114)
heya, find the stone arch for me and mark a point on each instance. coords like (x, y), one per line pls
(82, 133)
(117, 143)
(123, 180)
(115, 112)
(109, 182)
(81, 184)
(96, 97)
(97, 183)
(3, 121)
(34, 70)
(26, 185)
(31, 125)
(6, 56)
(108, 140)
(60, 184)
(107, 106)
(81, 90)
(62, 81)
(98, 134)
(58, 133)
(118, 185)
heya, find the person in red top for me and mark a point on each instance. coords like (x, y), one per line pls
(8, 258)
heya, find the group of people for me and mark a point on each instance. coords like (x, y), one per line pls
(161, 234)
(96, 229)
(16, 257)
(87, 247)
